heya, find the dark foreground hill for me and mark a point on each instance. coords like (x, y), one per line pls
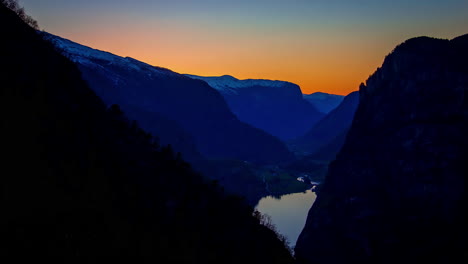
(79, 180)
(396, 192)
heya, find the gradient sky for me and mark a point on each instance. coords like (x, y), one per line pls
(322, 45)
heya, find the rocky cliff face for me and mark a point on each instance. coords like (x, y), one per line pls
(276, 107)
(396, 192)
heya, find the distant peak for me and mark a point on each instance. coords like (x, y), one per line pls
(230, 84)
(228, 77)
(323, 95)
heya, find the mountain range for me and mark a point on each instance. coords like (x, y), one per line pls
(191, 117)
(186, 113)
(276, 107)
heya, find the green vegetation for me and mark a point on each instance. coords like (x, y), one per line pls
(281, 182)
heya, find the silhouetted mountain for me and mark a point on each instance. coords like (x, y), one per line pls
(191, 104)
(324, 102)
(81, 182)
(276, 107)
(327, 136)
(396, 192)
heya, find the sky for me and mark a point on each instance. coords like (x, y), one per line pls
(322, 45)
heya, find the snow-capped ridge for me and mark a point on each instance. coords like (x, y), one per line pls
(85, 55)
(229, 84)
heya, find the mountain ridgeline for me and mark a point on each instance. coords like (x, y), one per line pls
(200, 120)
(324, 102)
(396, 191)
(326, 137)
(276, 107)
(80, 181)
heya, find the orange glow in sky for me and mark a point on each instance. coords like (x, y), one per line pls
(329, 52)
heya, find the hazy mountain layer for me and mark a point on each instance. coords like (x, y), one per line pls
(329, 133)
(276, 107)
(324, 102)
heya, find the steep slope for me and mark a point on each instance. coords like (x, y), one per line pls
(329, 133)
(167, 131)
(191, 104)
(80, 183)
(324, 102)
(396, 192)
(276, 107)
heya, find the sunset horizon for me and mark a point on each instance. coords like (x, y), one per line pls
(322, 47)
(247, 131)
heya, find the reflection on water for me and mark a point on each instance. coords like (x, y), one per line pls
(288, 213)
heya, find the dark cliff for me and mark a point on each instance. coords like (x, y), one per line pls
(396, 192)
(80, 182)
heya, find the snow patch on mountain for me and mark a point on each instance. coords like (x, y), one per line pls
(85, 55)
(229, 85)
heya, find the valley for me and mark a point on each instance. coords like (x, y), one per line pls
(109, 156)
(244, 158)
